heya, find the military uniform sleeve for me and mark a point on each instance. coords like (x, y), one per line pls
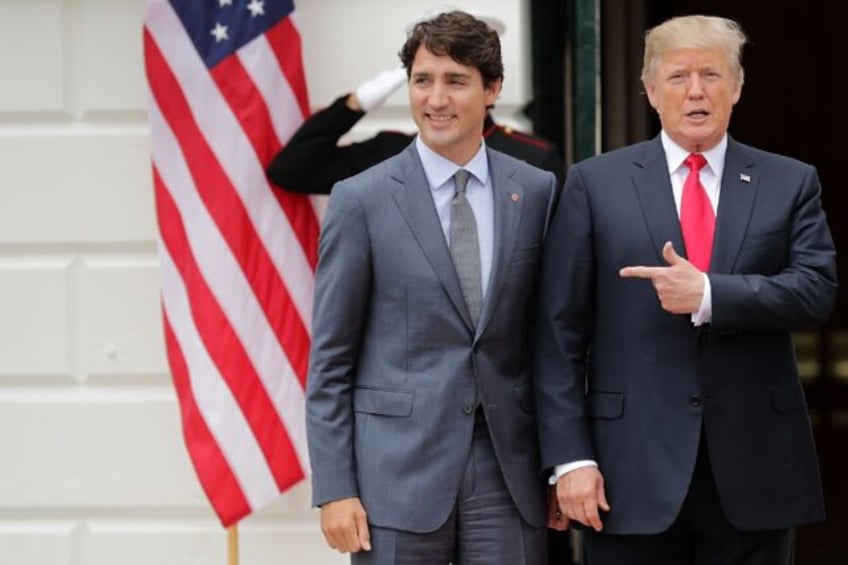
(312, 161)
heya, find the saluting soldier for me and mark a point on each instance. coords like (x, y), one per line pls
(313, 161)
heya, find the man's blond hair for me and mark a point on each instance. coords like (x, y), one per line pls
(695, 32)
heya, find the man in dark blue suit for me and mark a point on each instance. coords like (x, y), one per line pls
(675, 270)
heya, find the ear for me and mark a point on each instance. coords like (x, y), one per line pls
(493, 92)
(651, 92)
(737, 93)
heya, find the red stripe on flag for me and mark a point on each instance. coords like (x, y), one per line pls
(225, 348)
(303, 221)
(285, 42)
(216, 477)
(249, 107)
(228, 211)
(247, 104)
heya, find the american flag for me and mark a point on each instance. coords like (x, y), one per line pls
(227, 90)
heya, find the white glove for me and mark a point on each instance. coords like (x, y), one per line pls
(372, 93)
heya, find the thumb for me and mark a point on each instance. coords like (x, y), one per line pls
(362, 531)
(670, 255)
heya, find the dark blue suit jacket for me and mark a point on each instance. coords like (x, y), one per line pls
(622, 381)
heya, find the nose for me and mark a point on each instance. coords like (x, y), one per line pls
(696, 87)
(438, 96)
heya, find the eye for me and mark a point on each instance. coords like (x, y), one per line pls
(420, 79)
(677, 78)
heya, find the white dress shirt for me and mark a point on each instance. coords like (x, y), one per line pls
(711, 181)
(439, 172)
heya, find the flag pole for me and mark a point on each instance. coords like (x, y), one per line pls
(232, 545)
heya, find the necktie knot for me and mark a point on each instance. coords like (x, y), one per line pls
(460, 179)
(695, 162)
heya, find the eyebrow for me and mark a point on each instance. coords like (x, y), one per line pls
(448, 74)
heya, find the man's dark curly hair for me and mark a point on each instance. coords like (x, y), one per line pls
(460, 36)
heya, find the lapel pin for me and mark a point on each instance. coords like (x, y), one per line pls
(513, 197)
(744, 178)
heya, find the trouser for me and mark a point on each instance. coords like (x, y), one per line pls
(484, 528)
(700, 535)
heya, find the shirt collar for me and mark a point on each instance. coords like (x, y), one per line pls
(675, 155)
(439, 170)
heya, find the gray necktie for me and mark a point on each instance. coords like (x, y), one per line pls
(465, 247)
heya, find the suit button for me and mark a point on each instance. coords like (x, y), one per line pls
(695, 400)
(468, 408)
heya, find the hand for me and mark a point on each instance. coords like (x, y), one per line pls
(556, 519)
(371, 94)
(345, 525)
(580, 493)
(680, 286)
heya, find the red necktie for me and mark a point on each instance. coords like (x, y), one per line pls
(697, 219)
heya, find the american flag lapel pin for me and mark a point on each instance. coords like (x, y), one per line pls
(513, 197)
(744, 178)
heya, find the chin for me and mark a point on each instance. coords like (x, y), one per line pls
(698, 140)
(440, 139)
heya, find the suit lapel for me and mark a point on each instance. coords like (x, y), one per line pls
(739, 184)
(653, 188)
(507, 201)
(415, 202)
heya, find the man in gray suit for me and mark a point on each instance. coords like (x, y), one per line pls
(420, 423)
(674, 273)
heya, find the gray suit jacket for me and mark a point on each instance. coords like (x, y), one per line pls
(624, 382)
(396, 368)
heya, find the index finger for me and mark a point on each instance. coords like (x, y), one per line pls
(640, 272)
(592, 516)
(352, 543)
(364, 532)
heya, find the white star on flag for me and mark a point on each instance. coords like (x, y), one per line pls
(222, 3)
(220, 31)
(256, 7)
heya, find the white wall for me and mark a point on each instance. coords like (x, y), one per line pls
(344, 46)
(93, 468)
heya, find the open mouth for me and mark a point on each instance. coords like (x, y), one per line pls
(439, 118)
(697, 114)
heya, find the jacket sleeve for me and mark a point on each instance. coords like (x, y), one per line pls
(564, 320)
(313, 161)
(799, 296)
(342, 292)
